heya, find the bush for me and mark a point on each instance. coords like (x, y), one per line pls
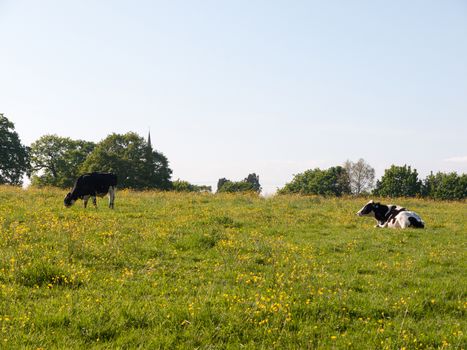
(185, 186)
(449, 186)
(331, 182)
(249, 184)
(236, 186)
(399, 181)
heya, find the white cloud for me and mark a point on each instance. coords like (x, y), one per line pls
(457, 159)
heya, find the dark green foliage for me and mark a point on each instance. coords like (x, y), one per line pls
(134, 161)
(13, 155)
(399, 181)
(449, 186)
(185, 186)
(331, 182)
(253, 179)
(221, 183)
(236, 186)
(249, 184)
(56, 160)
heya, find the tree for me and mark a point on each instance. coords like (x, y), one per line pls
(249, 184)
(449, 186)
(14, 161)
(132, 159)
(331, 182)
(253, 179)
(399, 181)
(221, 182)
(185, 186)
(361, 176)
(56, 161)
(236, 186)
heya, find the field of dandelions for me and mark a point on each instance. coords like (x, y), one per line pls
(168, 270)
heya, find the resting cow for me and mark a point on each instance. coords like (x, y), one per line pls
(391, 215)
(92, 185)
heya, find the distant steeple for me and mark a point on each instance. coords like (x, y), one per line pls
(149, 140)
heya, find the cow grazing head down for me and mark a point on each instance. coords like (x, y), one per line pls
(92, 185)
(69, 201)
(391, 215)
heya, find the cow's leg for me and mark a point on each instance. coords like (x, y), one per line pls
(111, 196)
(380, 224)
(94, 201)
(85, 201)
(393, 224)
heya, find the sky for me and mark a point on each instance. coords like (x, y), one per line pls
(229, 88)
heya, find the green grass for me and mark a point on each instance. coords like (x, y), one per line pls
(167, 270)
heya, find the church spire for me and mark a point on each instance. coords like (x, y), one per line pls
(149, 140)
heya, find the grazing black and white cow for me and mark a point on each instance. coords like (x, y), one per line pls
(391, 215)
(92, 185)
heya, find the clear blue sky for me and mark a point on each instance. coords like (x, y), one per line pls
(233, 87)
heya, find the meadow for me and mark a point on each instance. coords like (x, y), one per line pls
(188, 271)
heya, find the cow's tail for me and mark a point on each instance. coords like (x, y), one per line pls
(416, 223)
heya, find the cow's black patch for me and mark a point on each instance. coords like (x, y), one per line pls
(415, 223)
(90, 184)
(367, 209)
(381, 211)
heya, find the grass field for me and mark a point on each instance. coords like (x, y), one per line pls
(167, 270)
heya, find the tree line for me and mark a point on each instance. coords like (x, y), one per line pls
(358, 178)
(57, 161)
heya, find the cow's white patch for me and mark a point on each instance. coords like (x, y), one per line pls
(402, 219)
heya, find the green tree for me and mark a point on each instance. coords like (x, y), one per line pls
(449, 186)
(56, 160)
(249, 184)
(132, 159)
(331, 182)
(185, 186)
(253, 179)
(14, 161)
(221, 183)
(399, 181)
(236, 186)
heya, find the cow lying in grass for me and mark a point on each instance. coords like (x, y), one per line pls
(391, 215)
